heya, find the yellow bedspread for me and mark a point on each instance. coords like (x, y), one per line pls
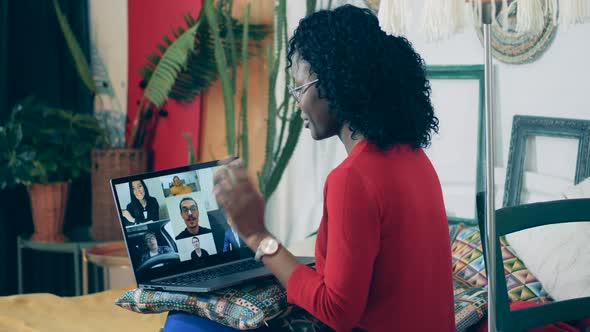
(95, 312)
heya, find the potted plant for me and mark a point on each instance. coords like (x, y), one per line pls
(44, 148)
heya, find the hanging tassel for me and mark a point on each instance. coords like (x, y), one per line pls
(383, 16)
(476, 12)
(504, 15)
(435, 20)
(394, 16)
(458, 13)
(572, 12)
(551, 9)
(529, 16)
(440, 19)
(402, 14)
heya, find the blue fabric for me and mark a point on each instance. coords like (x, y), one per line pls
(179, 321)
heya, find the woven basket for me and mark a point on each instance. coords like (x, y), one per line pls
(106, 165)
(48, 206)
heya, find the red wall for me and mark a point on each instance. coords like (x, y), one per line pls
(149, 21)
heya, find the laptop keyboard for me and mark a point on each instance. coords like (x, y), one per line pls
(192, 278)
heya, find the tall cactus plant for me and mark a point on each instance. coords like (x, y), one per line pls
(284, 122)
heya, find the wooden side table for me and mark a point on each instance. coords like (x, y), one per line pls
(107, 255)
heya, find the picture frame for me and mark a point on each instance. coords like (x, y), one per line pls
(476, 73)
(523, 127)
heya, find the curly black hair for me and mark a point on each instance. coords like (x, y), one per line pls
(373, 81)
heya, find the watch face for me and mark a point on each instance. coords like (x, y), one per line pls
(269, 246)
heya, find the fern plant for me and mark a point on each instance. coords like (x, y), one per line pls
(180, 72)
(172, 61)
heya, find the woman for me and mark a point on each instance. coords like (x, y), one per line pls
(178, 188)
(143, 207)
(198, 253)
(383, 259)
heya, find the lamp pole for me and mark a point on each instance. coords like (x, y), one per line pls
(489, 125)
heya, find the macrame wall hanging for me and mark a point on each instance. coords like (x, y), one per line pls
(515, 45)
(521, 30)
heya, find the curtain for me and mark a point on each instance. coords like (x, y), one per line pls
(3, 56)
(34, 60)
(295, 209)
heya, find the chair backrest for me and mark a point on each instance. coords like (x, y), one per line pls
(517, 218)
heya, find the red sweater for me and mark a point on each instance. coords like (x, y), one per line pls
(383, 256)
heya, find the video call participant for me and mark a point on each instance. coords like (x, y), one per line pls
(198, 253)
(153, 249)
(232, 240)
(178, 188)
(143, 207)
(189, 211)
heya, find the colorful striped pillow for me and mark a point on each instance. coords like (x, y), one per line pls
(469, 267)
(243, 307)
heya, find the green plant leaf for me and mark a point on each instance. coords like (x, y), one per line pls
(295, 126)
(245, 152)
(190, 148)
(80, 62)
(54, 144)
(222, 68)
(201, 68)
(171, 63)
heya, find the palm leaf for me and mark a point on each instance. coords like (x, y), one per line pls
(80, 62)
(173, 60)
(201, 69)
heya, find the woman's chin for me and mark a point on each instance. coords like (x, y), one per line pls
(313, 134)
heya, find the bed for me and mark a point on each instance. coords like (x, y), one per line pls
(95, 312)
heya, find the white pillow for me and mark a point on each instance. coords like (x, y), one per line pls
(558, 255)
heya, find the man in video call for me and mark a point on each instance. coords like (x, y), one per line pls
(189, 210)
(153, 248)
(232, 240)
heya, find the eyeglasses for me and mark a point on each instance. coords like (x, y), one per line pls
(192, 209)
(298, 91)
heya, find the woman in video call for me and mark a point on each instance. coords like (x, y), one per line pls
(383, 244)
(178, 188)
(198, 253)
(143, 207)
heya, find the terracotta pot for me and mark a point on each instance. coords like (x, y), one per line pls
(106, 165)
(48, 206)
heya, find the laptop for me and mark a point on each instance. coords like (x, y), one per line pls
(177, 236)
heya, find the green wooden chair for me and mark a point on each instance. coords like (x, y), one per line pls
(516, 218)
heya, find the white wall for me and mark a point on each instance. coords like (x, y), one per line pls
(554, 85)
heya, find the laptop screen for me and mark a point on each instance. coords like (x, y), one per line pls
(172, 223)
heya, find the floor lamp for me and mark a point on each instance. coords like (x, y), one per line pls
(490, 234)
